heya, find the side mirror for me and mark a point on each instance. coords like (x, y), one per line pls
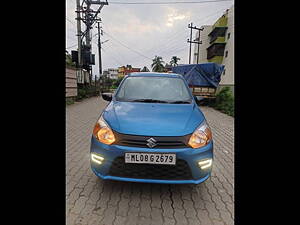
(107, 96)
(198, 99)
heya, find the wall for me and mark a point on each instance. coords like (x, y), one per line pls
(71, 83)
(113, 73)
(227, 79)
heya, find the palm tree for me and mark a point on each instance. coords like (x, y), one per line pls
(174, 61)
(157, 65)
(145, 69)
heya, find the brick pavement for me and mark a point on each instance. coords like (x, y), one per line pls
(90, 200)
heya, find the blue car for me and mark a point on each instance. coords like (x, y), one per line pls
(152, 131)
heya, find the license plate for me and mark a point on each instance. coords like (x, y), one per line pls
(150, 158)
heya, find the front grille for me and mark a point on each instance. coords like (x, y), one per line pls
(163, 142)
(180, 171)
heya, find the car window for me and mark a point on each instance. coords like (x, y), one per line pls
(157, 88)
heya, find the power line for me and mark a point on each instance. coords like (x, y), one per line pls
(127, 46)
(165, 3)
(175, 35)
(71, 46)
(114, 49)
(112, 57)
(71, 21)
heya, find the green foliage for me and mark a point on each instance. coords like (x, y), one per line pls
(81, 94)
(174, 61)
(118, 81)
(157, 65)
(86, 92)
(69, 60)
(69, 101)
(145, 69)
(108, 82)
(224, 101)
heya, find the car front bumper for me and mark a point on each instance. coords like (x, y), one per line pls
(189, 155)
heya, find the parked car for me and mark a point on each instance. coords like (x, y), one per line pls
(152, 131)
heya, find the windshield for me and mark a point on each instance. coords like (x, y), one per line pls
(154, 89)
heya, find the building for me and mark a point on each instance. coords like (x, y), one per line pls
(202, 47)
(112, 73)
(122, 71)
(218, 46)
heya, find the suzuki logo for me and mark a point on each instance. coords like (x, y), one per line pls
(151, 142)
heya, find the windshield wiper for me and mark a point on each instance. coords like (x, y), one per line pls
(149, 100)
(180, 102)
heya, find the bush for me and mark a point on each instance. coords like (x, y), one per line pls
(81, 93)
(118, 81)
(86, 92)
(224, 101)
(69, 101)
(113, 87)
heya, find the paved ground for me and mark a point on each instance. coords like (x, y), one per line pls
(90, 200)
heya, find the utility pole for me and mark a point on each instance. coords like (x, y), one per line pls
(190, 26)
(79, 37)
(88, 35)
(99, 51)
(195, 42)
(99, 48)
(89, 16)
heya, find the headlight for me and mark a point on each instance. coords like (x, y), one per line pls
(103, 132)
(201, 136)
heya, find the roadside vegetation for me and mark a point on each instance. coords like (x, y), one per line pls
(69, 101)
(224, 101)
(158, 64)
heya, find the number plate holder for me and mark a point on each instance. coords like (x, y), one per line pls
(150, 158)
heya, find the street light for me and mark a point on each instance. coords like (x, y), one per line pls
(104, 41)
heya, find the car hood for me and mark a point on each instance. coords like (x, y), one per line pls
(153, 119)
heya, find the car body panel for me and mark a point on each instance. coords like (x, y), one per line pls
(156, 119)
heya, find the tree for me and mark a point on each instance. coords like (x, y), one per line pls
(157, 65)
(145, 69)
(174, 61)
(69, 60)
(118, 81)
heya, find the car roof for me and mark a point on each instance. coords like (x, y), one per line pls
(153, 74)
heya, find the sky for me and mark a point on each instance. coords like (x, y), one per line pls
(137, 33)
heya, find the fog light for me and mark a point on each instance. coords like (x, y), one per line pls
(205, 163)
(96, 158)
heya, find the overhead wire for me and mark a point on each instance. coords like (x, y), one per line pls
(127, 46)
(166, 3)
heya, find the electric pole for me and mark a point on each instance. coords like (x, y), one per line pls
(99, 48)
(190, 26)
(79, 37)
(89, 17)
(198, 42)
(99, 51)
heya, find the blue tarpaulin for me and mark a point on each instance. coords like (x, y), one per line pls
(204, 74)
